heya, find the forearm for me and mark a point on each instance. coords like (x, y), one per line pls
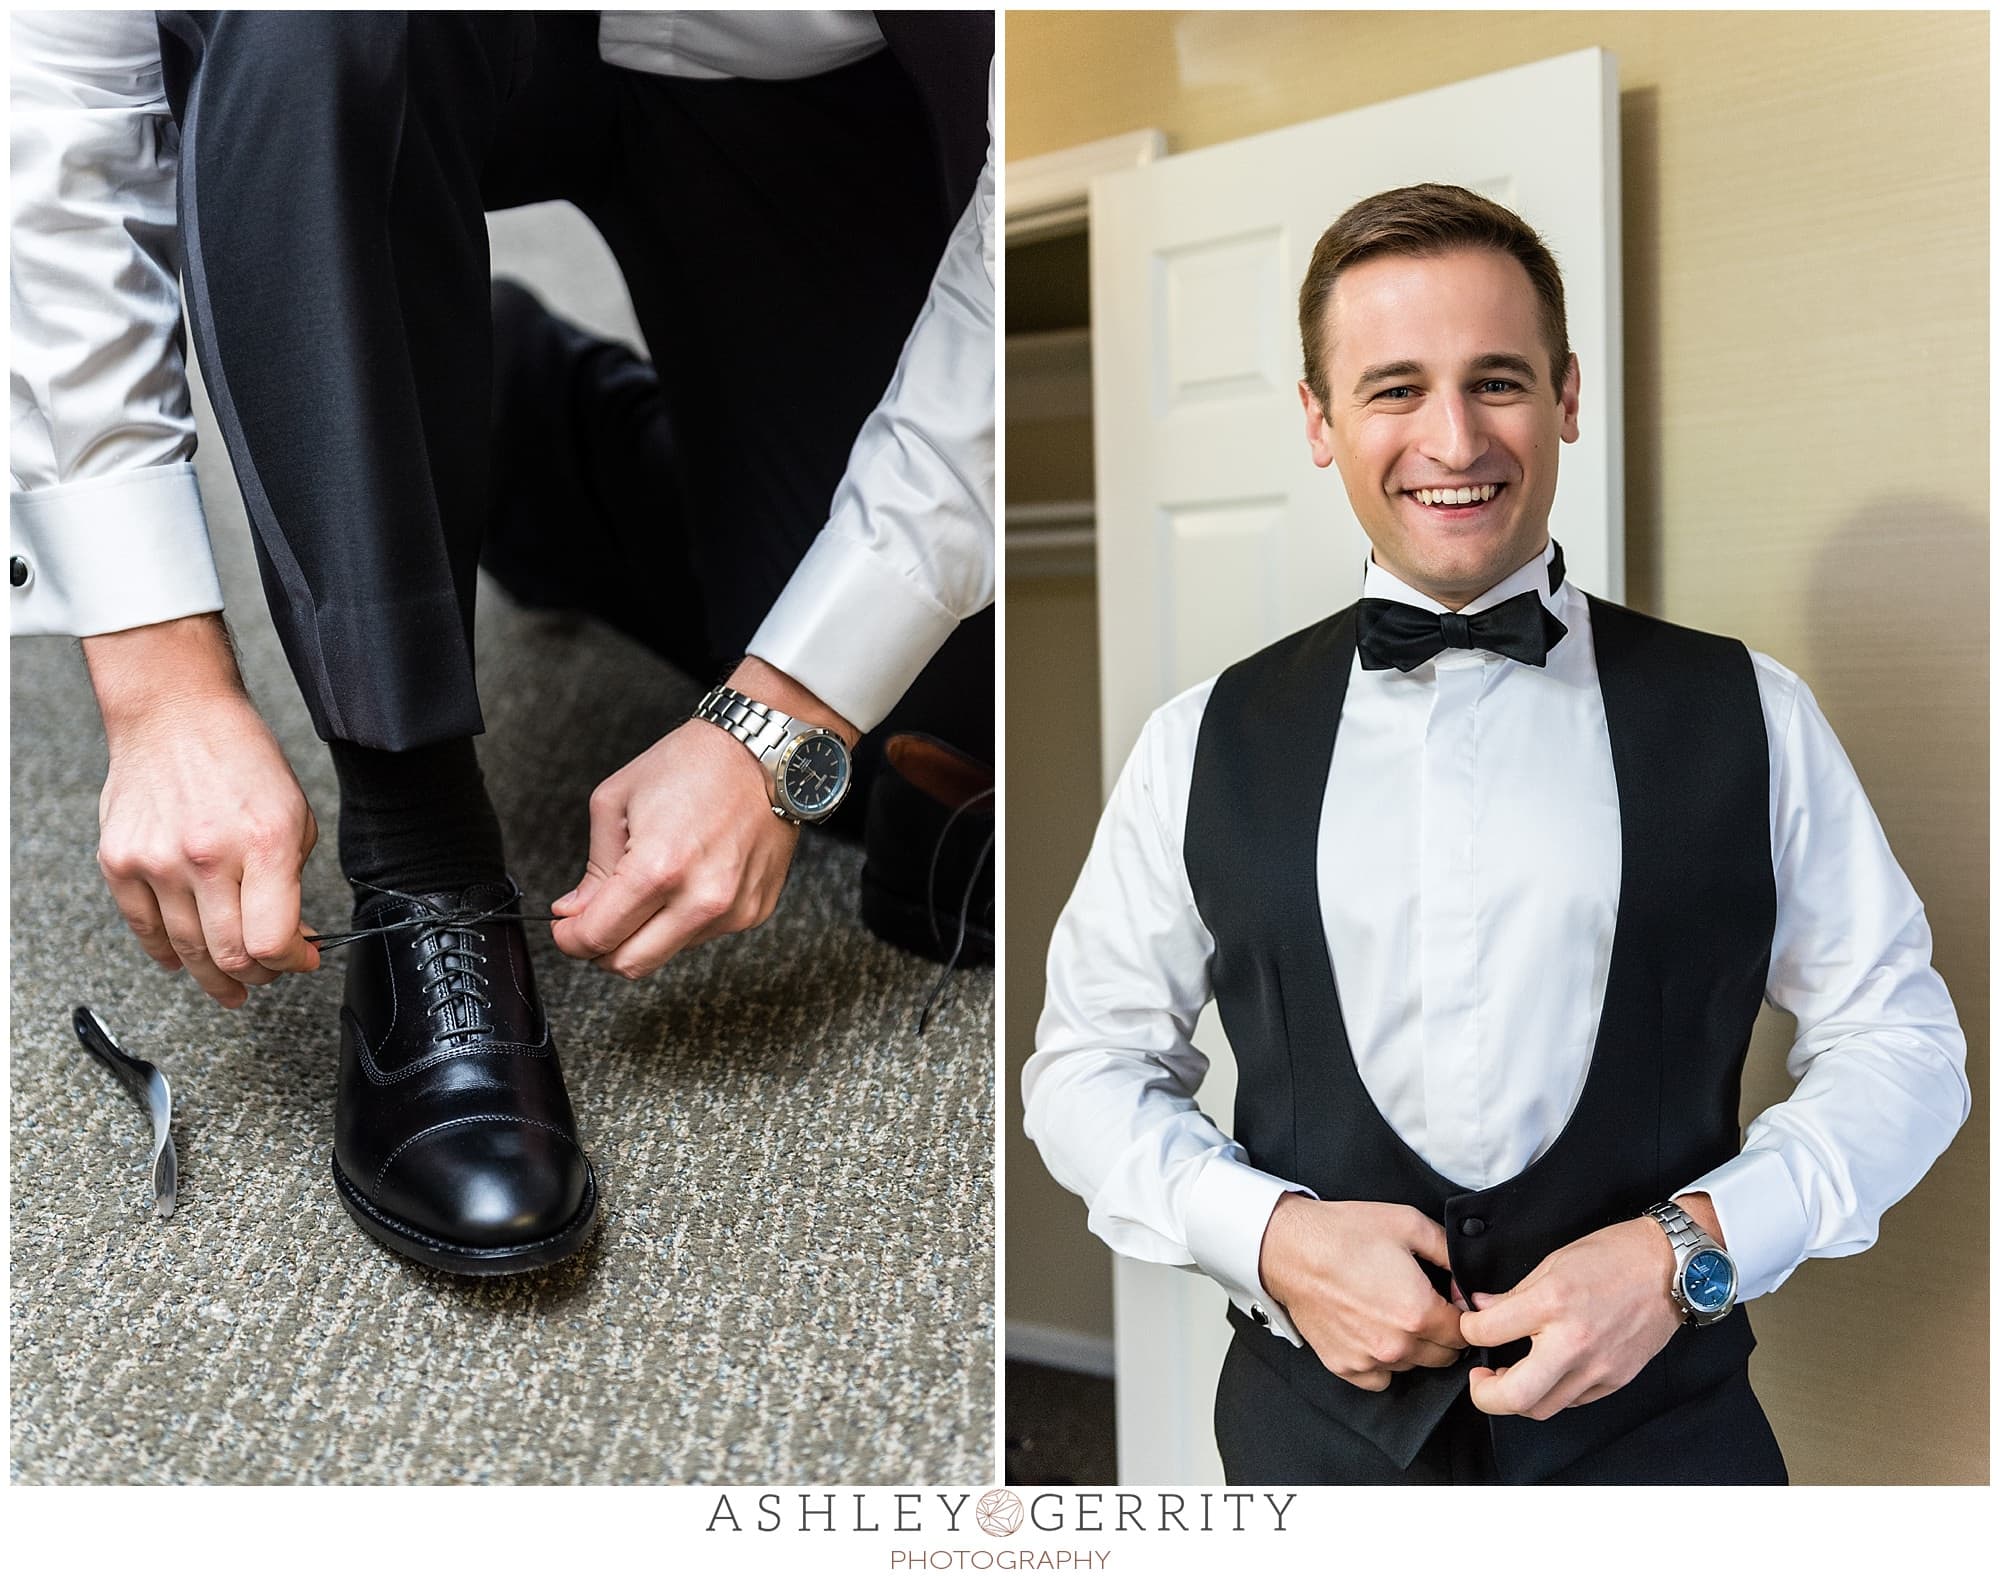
(137, 674)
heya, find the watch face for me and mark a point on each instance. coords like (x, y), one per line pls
(1708, 1281)
(815, 774)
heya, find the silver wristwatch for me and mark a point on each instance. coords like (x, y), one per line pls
(809, 767)
(1704, 1282)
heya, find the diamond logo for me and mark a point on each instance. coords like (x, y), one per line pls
(998, 1512)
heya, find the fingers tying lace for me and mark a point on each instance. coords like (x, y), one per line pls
(457, 954)
(433, 916)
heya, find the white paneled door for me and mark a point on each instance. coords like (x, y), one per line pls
(1216, 535)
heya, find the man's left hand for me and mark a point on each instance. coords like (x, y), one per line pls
(683, 844)
(1596, 1312)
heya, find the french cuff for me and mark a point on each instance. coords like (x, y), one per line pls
(1763, 1219)
(851, 629)
(113, 552)
(1228, 1209)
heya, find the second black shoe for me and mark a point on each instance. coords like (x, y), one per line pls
(927, 881)
(454, 1142)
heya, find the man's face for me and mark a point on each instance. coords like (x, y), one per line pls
(1437, 377)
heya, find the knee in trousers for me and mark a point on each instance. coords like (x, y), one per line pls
(299, 67)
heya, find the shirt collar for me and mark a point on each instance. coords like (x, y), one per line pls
(1531, 576)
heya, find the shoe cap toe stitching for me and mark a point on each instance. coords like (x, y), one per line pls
(465, 1121)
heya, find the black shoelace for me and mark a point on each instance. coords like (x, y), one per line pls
(964, 902)
(456, 978)
(432, 917)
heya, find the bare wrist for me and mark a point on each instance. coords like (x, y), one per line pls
(1270, 1263)
(139, 673)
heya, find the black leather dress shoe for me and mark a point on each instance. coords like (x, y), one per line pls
(453, 1138)
(927, 882)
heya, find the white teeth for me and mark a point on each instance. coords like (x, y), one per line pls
(1456, 495)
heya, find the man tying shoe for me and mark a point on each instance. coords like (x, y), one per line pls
(787, 194)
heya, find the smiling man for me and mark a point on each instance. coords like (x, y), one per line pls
(1488, 878)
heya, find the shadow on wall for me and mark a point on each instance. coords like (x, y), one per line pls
(1898, 650)
(1639, 240)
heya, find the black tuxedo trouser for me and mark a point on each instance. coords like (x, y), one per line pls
(777, 238)
(1268, 1434)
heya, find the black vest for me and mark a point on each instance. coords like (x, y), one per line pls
(1697, 905)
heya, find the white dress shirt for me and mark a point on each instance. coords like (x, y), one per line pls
(105, 516)
(1468, 871)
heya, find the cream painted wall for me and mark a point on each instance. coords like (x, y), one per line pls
(1806, 264)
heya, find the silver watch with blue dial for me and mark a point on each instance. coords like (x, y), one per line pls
(1703, 1287)
(809, 767)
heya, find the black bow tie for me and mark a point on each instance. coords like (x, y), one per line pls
(1396, 635)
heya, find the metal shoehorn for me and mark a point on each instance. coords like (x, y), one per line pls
(147, 1085)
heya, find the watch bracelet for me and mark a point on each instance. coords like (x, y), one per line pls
(1682, 1229)
(753, 724)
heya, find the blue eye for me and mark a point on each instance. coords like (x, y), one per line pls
(1505, 385)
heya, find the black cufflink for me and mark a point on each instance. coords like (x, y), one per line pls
(17, 571)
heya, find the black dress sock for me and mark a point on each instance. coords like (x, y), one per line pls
(416, 820)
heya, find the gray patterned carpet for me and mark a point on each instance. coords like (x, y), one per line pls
(794, 1278)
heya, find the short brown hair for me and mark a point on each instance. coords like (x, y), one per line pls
(1425, 221)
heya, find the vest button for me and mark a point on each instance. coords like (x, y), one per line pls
(17, 571)
(1472, 1226)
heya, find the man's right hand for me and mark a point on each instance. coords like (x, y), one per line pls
(1347, 1275)
(203, 828)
